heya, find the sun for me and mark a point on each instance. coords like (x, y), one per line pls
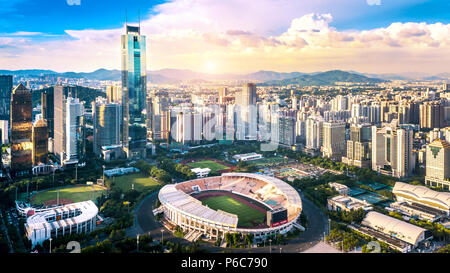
(210, 67)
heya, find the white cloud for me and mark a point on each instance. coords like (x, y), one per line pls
(374, 2)
(238, 37)
(73, 2)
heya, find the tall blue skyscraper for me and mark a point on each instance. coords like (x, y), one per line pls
(134, 92)
(6, 85)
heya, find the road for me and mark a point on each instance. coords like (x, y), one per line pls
(5, 231)
(317, 226)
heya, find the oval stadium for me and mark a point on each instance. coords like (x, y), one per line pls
(246, 203)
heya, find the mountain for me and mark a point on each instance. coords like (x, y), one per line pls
(326, 78)
(172, 76)
(25, 72)
(263, 75)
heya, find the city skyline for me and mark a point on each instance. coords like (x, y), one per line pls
(235, 37)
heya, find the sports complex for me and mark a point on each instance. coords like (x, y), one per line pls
(246, 203)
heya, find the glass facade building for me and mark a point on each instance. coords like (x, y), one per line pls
(40, 142)
(21, 131)
(134, 92)
(6, 84)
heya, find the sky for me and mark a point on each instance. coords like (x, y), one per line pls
(232, 36)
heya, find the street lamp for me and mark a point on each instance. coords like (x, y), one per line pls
(137, 243)
(162, 235)
(50, 245)
(270, 241)
(103, 173)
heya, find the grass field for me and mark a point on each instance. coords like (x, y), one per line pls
(141, 182)
(75, 193)
(214, 166)
(246, 215)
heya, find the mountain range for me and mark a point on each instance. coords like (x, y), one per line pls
(171, 76)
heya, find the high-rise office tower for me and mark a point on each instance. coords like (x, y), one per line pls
(60, 95)
(48, 108)
(21, 131)
(333, 140)
(438, 164)
(392, 150)
(247, 120)
(6, 85)
(359, 146)
(114, 93)
(40, 142)
(134, 93)
(74, 122)
(106, 119)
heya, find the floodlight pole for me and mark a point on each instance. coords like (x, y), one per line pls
(137, 243)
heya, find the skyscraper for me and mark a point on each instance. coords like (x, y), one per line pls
(74, 113)
(6, 85)
(106, 119)
(47, 109)
(438, 164)
(392, 150)
(359, 146)
(247, 122)
(40, 142)
(134, 90)
(114, 93)
(21, 131)
(314, 132)
(333, 140)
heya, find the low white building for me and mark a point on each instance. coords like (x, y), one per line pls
(395, 228)
(201, 172)
(340, 188)
(52, 223)
(247, 157)
(347, 203)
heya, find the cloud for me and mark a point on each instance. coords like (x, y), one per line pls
(73, 2)
(373, 2)
(187, 34)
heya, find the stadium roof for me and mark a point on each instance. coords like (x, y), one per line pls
(291, 194)
(88, 211)
(423, 195)
(394, 227)
(169, 195)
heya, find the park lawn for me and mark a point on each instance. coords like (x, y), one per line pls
(75, 193)
(246, 215)
(141, 182)
(214, 166)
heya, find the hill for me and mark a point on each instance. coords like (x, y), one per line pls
(325, 78)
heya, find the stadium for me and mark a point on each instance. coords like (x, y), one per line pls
(233, 202)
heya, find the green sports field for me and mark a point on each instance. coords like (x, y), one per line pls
(246, 215)
(141, 182)
(214, 166)
(74, 193)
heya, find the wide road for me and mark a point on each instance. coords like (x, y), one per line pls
(317, 226)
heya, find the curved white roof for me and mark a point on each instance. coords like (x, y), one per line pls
(291, 194)
(88, 211)
(170, 196)
(394, 227)
(423, 194)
